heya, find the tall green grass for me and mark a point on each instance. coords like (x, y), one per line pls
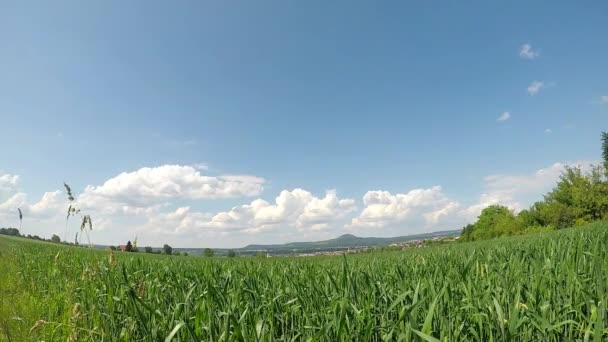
(546, 287)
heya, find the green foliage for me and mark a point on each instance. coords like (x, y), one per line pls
(55, 238)
(494, 221)
(260, 254)
(231, 253)
(148, 249)
(129, 247)
(10, 231)
(577, 199)
(544, 287)
(112, 248)
(167, 249)
(605, 150)
(209, 252)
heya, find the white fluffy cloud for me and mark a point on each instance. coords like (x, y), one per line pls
(168, 211)
(527, 52)
(535, 87)
(50, 204)
(148, 186)
(297, 208)
(504, 117)
(11, 198)
(385, 209)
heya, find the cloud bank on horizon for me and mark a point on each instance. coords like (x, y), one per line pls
(144, 203)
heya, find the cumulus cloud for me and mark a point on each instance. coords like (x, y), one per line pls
(168, 212)
(49, 205)
(8, 185)
(11, 198)
(535, 87)
(504, 117)
(148, 186)
(296, 208)
(10, 204)
(527, 52)
(385, 209)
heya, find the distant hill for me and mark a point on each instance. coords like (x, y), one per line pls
(345, 241)
(342, 242)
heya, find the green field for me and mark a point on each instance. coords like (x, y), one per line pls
(549, 287)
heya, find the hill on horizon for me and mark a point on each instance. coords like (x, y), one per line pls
(346, 241)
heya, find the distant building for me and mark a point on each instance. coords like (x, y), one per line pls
(122, 248)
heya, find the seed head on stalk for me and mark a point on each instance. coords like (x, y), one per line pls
(74, 210)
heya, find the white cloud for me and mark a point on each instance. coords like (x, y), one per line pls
(504, 117)
(9, 206)
(604, 99)
(8, 185)
(201, 166)
(49, 205)
(527, 52)
(297, 208)
(12, 198)
(148, 186)
(535, 87)
(169, 216)
(384, 209)
(548, 130)
(519, 191)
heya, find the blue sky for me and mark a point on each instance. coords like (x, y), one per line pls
(350, 96)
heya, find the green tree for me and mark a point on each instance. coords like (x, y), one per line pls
(605, 151)
(209, 252)
(231, 253)
(494, 221)
(148, 249)
(113, 248)
(129, 246)
(55, 238)
(466, 232)
(10, 231)
(167, 249)
(260, 254)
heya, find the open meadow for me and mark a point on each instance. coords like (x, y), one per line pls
(549, 287)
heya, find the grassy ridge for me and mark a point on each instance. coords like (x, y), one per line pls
(544, 287)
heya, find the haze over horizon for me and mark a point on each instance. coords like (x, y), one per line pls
(208, 125)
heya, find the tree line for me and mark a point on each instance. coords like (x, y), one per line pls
(578, 198)
(15, 232)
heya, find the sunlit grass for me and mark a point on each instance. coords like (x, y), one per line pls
(549, 287)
